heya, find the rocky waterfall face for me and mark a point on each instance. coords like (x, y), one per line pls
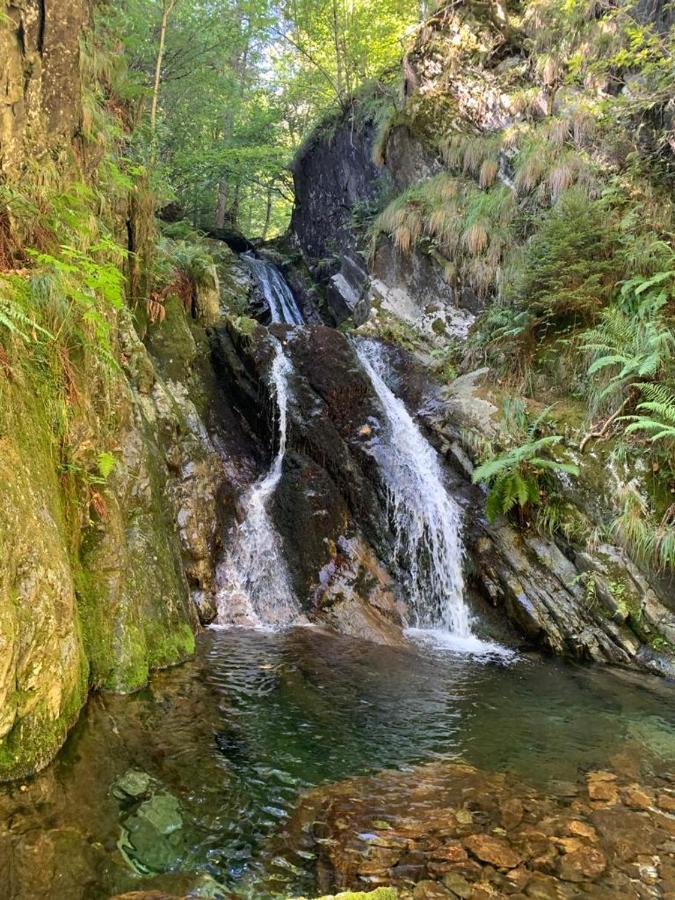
(254, 586)
(420, 522)
(426, 521)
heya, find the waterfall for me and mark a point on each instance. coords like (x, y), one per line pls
(278, 294)
(426, 520)
(254, 584)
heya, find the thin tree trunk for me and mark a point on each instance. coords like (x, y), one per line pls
(268, 212)
(338, 51)
(221, 206)
(167, 9)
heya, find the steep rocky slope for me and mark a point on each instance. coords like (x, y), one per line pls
(108, 479)
(512, 134)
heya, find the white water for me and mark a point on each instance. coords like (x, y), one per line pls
(254, 584)
(427, 521)
(278, 294)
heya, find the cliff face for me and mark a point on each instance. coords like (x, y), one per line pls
(332, 175)
(40, 87)
(502, 128)
(108, 478)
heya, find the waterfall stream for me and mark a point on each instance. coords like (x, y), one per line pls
(279, 297)
(254, 585)
(426, 520)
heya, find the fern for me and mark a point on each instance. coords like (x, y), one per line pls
(13, 318)
(516, 477)
(105, 463)
(658, 413)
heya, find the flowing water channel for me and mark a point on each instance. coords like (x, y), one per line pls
(254, 585)
(426, 520)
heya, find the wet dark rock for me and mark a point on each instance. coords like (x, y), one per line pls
(333, 174)
(329, 505)
(134, 785)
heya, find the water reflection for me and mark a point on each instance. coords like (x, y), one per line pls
(261, 716)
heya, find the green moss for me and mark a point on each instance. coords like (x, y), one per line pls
(171, 342)
(35, 739)
(174, 647)
(244, 326)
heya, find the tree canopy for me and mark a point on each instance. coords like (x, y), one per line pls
(224, 91)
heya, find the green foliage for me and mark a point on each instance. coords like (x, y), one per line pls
(657, 414)
(522, 476)
(650, 540)
(190, 259)
(569, 267)
(106, 462)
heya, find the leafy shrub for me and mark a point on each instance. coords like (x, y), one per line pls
(570, 264)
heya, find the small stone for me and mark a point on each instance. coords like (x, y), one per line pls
(600, 775)
(546, 862)
(492, 850)
(430, 890)
(569, 845)
(586, 864)
(484, 892)
(543, 887)
(582, 829)
(665, 821)
(636, 798)
(464, 816)
(458, 885)
(519, 877)
(453, 852)
(512, 813)
(603, 790)
(378, 860)
(365, 431)
(134, 784)
(666, 802)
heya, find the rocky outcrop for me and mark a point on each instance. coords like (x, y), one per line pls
(590, 605)
(95, 587)
(423, 288)
(40, 86)
(333, 175)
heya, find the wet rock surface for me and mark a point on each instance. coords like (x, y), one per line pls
(329, 505)
(447, 829)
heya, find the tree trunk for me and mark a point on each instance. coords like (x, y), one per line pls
(221, 206)
(167, 9)
(268, 212)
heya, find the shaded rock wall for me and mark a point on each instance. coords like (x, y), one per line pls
(332, 174)
(40, 86)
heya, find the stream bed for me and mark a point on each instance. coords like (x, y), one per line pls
(191, 783)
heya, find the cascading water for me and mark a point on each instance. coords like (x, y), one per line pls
(278, 294)
(427, 521)
(254, 585)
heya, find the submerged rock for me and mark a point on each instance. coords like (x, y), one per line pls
(152, 838)
(411, 830)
